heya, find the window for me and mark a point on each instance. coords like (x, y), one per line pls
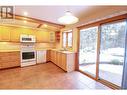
(67, 39)
(64, 39)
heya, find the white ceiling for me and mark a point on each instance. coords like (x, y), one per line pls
(84, 13)
(50, 13)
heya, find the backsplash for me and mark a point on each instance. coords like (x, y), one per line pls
(16, 46)
(9, 46)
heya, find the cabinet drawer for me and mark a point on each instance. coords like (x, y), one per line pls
(9, 59)
(10, 64)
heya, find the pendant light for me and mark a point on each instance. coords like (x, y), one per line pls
(68, 18)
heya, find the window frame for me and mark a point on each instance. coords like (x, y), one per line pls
(67, 32)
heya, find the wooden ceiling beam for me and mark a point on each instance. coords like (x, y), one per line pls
(34, 20)
(39, 25)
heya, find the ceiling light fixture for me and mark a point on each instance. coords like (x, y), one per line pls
(24, 18)
(25, 21)
(45, 25)
(68, 18)
(25, 13)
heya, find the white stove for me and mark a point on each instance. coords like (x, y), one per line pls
(28, 54)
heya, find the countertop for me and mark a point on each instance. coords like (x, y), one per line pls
(68, 52)
(9, 50)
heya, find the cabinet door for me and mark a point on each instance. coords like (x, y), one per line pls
(41, 56)
(63, 62)
(15, 35)
(54, 57)
(26, 31)
(5, 33)
(9, 59)
(42, 36)
(52, 37)
(51, 55)
(48, 55)
(59, 59)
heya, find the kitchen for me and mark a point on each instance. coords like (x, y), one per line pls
(36, 52)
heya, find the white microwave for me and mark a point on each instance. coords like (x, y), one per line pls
(27, 38)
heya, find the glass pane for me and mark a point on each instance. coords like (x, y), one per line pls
(64, 39)
(70, 39)
(112, 52)
(87, 52)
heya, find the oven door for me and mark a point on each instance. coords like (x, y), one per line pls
(27, 56)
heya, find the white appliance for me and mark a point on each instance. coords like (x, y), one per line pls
(28, 55)
(27, 38)
(41, 56)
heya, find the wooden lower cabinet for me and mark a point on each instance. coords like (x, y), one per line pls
(66, 61)
(53, 56)
(48, 56)
(9, 59)
(63, 61)
(58, 58)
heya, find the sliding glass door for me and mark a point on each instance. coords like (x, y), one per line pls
(112, 50)
(88, 49)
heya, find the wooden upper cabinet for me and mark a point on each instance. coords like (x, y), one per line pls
(12, 33)
(5, 33)
(42, 36)
(52, 37)
(15, 35)
(27, 31)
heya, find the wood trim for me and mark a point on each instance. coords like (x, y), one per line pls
(66, 40)
(87, 75)
(109, 84)
(98, 52)
(115, 18)
(10, 68)
(39, 25)
(78, 46)
(34, 20)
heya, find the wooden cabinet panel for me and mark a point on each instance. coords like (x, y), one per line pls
(15, 35)
(48, 56)
(58, 59)
(42, 36)
(9, 59)
(5, 33)
(53, 56)
(64, 61)
(52, 36)
(26, 31)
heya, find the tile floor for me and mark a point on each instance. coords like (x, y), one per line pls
(46, 76)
